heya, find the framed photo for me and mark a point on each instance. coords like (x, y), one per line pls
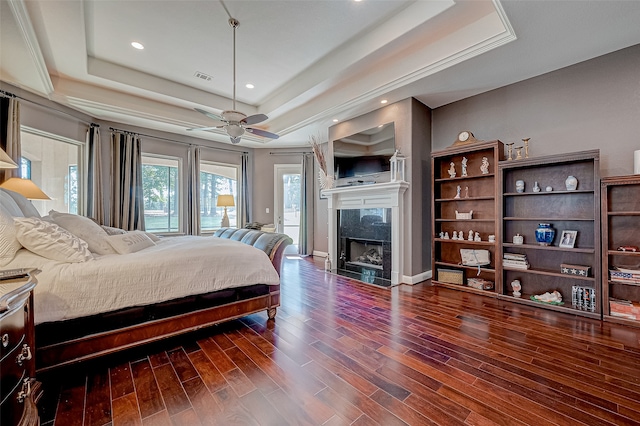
(568, 239)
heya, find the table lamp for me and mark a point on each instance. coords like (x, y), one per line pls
(6, 162)
(225, 201)
(24, 187)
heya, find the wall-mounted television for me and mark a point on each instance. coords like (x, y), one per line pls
(364, 153)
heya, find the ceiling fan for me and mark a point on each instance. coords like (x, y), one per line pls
(235, 123)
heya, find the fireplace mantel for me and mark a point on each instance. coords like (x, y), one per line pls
(383, 195)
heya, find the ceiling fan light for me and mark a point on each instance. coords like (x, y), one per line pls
(235, 130)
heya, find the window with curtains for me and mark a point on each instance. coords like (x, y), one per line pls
(161, 193)
(54, 164)
(218, 179)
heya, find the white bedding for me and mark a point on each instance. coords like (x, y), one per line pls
(175, 267)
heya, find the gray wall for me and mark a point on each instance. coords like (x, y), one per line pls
(591, 105)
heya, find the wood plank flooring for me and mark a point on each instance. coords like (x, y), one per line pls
(345, 353)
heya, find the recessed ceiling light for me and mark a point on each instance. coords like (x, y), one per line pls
(249, 86)
(384, 101)
(137, 45)
(335, 120)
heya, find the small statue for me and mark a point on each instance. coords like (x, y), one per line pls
(464, 166)
(441, 235)
(461, 235)
(466, 192)
(446, 236)
(477, 237)
(470, 237)
(484, 167)
(452, 170)
(458, 189)
(455, 235)
(516, 286)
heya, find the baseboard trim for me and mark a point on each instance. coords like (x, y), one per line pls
(320, 253)
(415, 279)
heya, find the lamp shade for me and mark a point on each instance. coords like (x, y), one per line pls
(6, 162)
(24, 187)
(225, 201)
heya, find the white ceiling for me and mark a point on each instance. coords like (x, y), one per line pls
(310, 60)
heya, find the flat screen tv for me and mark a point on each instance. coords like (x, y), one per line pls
(364, 153)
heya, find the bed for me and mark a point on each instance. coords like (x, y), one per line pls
(95, 298)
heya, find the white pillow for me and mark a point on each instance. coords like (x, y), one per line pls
(130, 242)
(27, 208)
(110, 230)
(85, 229)
(50, 240)
(9, 244)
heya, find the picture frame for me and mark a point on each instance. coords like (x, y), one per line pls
(568, 239)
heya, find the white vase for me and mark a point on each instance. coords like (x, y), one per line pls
(571, 183)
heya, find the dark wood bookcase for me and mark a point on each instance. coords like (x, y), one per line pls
(620, 228)
(576, 210)
(481, 198)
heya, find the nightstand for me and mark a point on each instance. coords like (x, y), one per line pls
(19, 390)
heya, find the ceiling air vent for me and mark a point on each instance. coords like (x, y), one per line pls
(203, 76)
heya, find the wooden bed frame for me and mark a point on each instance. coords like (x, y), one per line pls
(59, 351)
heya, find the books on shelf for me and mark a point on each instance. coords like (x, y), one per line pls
(624, 308)
(515, 261)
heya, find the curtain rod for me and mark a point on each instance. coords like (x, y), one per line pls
(126, 132)
(6, 94)
(292, 153)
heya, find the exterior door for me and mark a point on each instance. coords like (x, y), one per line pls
(287, 200)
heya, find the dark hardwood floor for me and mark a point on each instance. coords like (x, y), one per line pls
(341, 352)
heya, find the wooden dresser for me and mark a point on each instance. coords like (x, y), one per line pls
(19, 391)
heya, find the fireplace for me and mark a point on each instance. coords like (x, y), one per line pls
(364, 244)
(365, 231)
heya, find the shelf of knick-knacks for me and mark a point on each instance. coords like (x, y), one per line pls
(571, 204)
(457, 189)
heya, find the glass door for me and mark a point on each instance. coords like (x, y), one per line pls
(287, 200)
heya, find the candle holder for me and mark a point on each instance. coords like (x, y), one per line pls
(510, 151)
(519, 153)
(526, 147)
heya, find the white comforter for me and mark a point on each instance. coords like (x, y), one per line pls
(175, 267)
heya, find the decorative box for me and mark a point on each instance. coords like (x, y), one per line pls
(583, 298)
(464, 216)
(480, 283)
(451, 276)
(580, 270)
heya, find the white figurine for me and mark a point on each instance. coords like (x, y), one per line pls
(516, 286)
(452, 170)
(461, 235)
(446, 236)
(458, 189)
(470, 237)
(464, 166)
(441, 234)
(477, 237)
(455, 235)
(484, 167)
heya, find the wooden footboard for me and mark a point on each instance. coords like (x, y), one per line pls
(99, 344)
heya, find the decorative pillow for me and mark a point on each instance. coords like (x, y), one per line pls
(9, 244)
(27, 208)
(9, 204)
(153, 237)
(130, 242)
(50, 240)
(110, 230)
(85, 229)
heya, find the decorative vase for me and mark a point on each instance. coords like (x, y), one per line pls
(571, 183)
(519, 186)
(545, 234)
(536, 188)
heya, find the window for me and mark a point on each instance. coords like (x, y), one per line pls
(160, 187)
(217, 179)
(54, 164)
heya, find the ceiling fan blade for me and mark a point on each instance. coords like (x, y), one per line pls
(262, 133)
(235, 140)
(254, 119)
(207, 128)
(208, 114)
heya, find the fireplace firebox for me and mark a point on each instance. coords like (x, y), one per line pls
(364, 245)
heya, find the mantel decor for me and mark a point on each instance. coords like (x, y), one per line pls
(324, 178)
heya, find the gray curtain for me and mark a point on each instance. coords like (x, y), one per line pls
(246, 204)
(307, 182)
(194, 191)
(95, 196)
(127, 203)
(10, 135)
